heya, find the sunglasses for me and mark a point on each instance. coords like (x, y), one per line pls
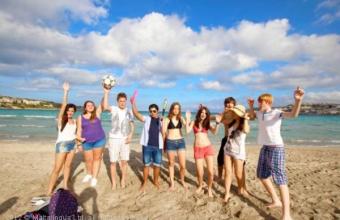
(153, 111)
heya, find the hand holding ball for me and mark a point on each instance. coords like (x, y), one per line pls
(108, 81)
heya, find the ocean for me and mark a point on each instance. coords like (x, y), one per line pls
(33, 125)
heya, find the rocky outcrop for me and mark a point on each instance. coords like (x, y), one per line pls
(24, 103)
(317, 109)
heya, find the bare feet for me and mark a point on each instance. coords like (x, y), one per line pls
(122, 183)
(199, 190)
(243, 192)
(113, 187)
(158, 186)
(184, 184)
(142, 188)
(226, 198)
(274, 204)
(171, 186)
(288, 217)
(210, 194)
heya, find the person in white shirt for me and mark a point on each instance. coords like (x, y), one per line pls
(120, 135)
(272, 156)
(235, 149)
(65, 144)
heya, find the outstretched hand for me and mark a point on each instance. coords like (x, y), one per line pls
(298, 93)
(133, 97)
(188, 115)
(250, 102)
(106, 89)
(66, 86)
(218, 118)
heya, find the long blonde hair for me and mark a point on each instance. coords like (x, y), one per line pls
(171, 111)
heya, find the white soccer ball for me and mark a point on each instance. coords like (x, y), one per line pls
(109, 81)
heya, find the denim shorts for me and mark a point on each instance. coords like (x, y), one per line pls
(175, 145)
(65, 146)
(92, 145)
(152, 155)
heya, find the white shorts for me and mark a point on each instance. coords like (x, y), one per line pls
(118, 150)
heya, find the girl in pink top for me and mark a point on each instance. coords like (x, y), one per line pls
(203, 149)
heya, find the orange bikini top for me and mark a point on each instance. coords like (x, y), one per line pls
(197, 130)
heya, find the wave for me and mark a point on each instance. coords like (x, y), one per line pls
(20, 136)
(1, 126)
(35, 126)
(8, 116)
(335, 141)
(317, 141)
(38, 116)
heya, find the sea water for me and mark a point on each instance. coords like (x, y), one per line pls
(33, 125)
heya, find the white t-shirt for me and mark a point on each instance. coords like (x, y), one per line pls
(236, 147)
(270, 128)
(120, 121)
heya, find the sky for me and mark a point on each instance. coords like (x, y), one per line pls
(195, 52)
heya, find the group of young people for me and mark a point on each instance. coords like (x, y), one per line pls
(166, 134)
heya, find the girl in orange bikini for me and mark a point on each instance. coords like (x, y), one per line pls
(203, 149)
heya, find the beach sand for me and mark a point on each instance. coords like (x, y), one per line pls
(314, 182)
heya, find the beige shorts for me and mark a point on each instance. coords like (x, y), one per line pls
(118, 150)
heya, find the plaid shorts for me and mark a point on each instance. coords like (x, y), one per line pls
(272, 163)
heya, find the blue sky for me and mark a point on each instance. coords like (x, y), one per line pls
(188, 51)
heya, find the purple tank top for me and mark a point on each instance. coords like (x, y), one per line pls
(92, 131)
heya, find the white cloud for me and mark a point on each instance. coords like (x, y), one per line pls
(158, 50)
(38, 84)
(330, 11)
(213, 85)
(72, 75)
(323, 97)
(53, 12)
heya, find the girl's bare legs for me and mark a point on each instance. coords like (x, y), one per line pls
(240, 177)
(182, 167)
(58, 165)
(171, 158)
(210, 164)
(67, 167)
(97, 159)
(199, 172)
(88, 155)
(227, 176)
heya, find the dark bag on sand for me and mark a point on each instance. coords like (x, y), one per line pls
(63, 205)
(35, 215)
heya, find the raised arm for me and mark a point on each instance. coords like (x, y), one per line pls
(252, 114)
(135, 111)
(298, 95)
(66, 88)
(189, 124)
(246, 127)
(214, 130)
(105, 100)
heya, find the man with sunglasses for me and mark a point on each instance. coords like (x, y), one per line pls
(151, 141)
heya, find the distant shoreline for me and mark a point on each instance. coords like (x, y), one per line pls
(301, 113)
(10, 103)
